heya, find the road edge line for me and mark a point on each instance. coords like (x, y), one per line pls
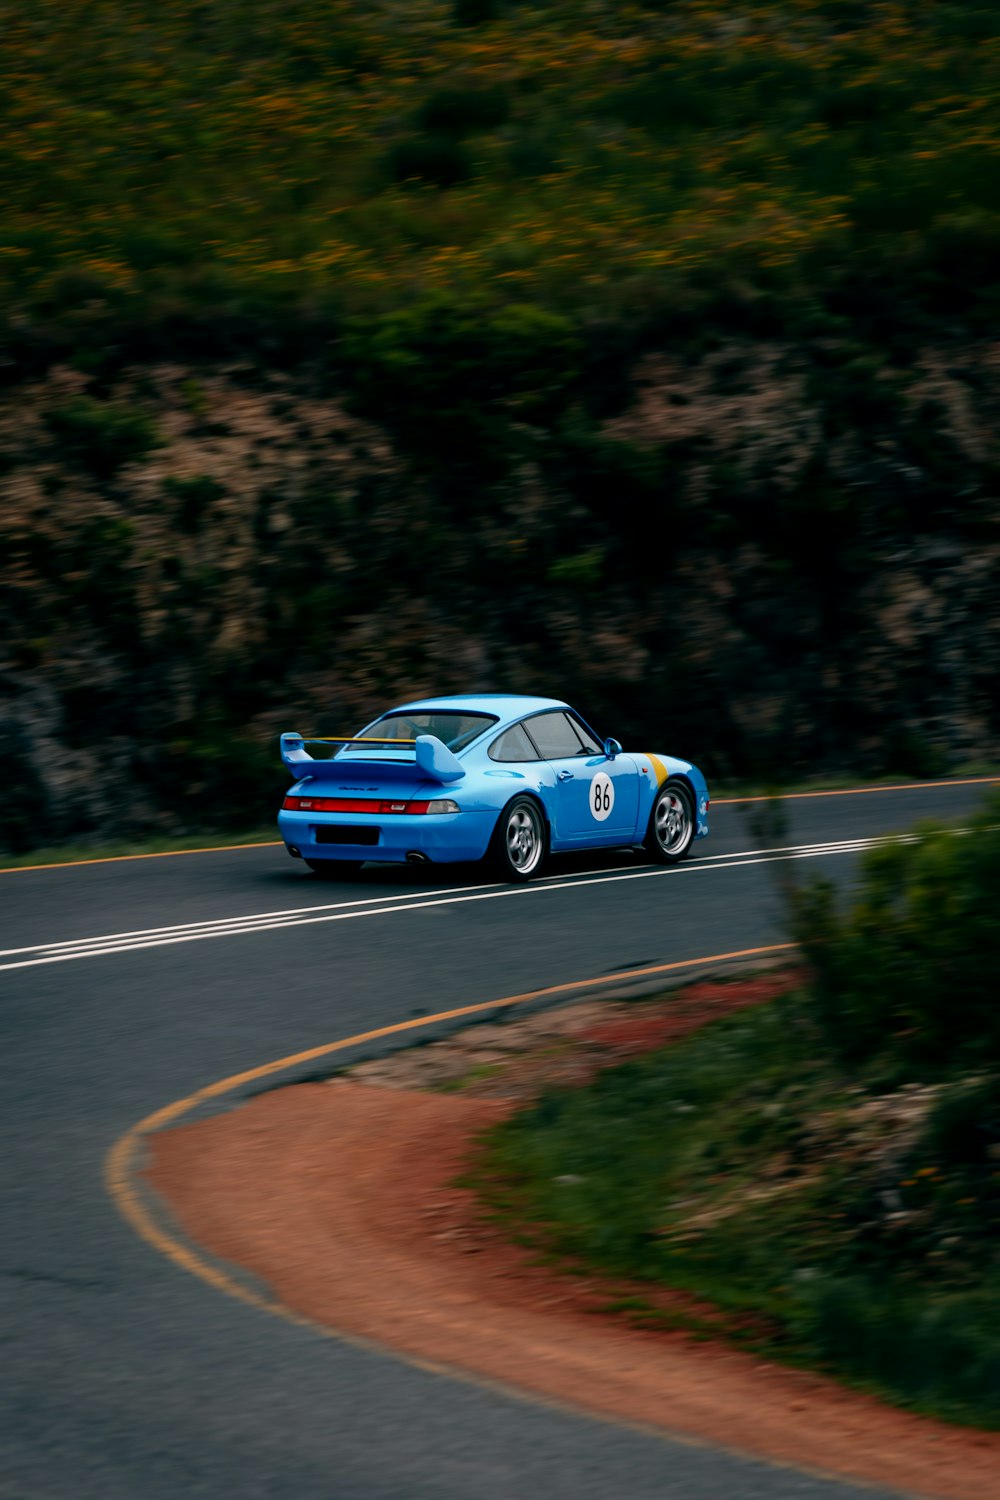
(851, 791)
(857, 791)
(120, 1166)
(117, 859)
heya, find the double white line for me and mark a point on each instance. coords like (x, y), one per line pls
(379, 906)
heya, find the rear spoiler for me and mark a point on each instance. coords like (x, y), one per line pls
(432, 758)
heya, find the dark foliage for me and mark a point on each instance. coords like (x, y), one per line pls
(909, 970)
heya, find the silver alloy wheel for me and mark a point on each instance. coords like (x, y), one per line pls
(525, 843)
(673, 822)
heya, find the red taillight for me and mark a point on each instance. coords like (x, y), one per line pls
(382, 807)
(330, 804)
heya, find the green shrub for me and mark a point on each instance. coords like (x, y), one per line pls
(634, 492)
(964, 1127)
(664, 102)
(432, 157)
(909, 969)
(450, 375)
(474, 12)
(535, 151)
(583, 571)
(214, 771)
(101, 436)
(940, 1353)
(462, 111)
(25, 807)
(97, 577)
(194, 498)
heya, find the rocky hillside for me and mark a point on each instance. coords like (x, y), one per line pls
(642, 353)
(776, 557)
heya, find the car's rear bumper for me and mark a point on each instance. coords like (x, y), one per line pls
(442, 837)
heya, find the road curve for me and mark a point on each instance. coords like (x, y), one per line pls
(126, 985)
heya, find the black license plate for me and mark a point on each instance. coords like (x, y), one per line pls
(346, 833)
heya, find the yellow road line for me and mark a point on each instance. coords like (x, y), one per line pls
(856, 791)
(860, 791)
(114, 859)
(121, 1159)
(120, 1165)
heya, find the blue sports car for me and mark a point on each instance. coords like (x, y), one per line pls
(482, 776)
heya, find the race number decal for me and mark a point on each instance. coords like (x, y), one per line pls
(602, 796)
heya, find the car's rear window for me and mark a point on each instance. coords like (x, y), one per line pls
(456, 730)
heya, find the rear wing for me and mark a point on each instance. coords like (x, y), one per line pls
(432, 758)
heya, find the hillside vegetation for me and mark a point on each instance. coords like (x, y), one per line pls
(607, 157)
(644, 354)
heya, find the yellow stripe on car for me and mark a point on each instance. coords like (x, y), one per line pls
(658, 767)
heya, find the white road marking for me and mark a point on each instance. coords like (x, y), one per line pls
(292, 911)
(377, 906)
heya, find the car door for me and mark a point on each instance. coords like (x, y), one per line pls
(596, 800)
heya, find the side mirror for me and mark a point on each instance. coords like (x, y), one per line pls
(612, 748)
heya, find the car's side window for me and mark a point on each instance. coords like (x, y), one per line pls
(586, 738)
(554, 735)
(513, 744)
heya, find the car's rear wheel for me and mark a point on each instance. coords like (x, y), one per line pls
(520, 840)
(671, 823)
(334, 869)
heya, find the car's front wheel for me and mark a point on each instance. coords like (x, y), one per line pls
(334, 869)
(520, 841)
(671, 823)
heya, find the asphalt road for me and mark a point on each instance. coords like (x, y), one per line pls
(120, 1376)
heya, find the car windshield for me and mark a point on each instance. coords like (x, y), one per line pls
(456, 730)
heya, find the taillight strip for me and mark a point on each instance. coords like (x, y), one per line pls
(382, 807)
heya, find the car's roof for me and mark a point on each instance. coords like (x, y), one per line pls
(504, 705)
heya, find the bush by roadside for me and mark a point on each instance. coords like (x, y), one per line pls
(909, 973)
(830, 1180)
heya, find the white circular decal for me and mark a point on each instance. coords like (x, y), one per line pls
(602, 796)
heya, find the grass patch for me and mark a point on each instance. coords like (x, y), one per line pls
(746, 1168)
(474, 1075)
(840, 1201)
(59, 854)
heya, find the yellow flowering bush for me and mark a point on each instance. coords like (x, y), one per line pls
(322, 150)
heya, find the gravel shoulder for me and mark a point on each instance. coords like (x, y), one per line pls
(341, 1196)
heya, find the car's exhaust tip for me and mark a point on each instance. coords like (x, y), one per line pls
(294, 851)
(415, 857)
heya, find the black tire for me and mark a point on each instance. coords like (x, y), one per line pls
(520, 841)
(334, 869)
(671, 828)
